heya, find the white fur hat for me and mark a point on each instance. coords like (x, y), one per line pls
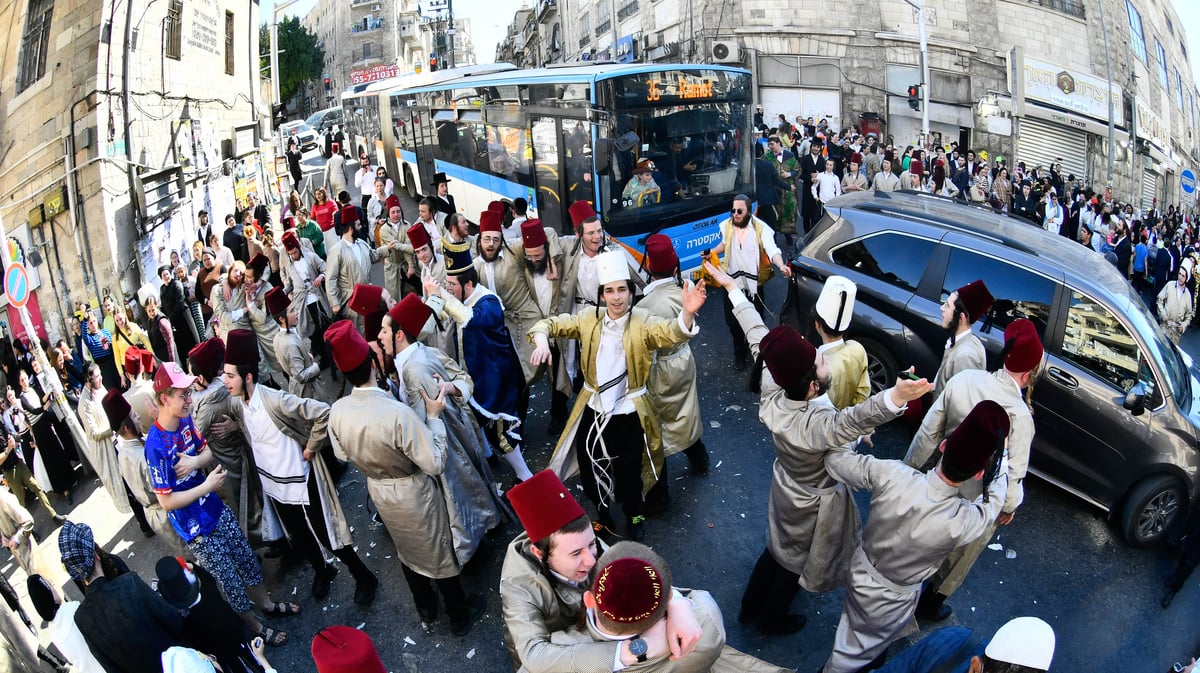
(1025, 641)
(611, 266)
(836, 303)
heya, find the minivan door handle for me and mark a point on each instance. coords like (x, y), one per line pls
(1062, 378)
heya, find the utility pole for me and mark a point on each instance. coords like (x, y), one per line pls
(450, 33)
(1112, 150)
(919, 5)
(612, 51)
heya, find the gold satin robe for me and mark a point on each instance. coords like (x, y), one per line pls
(672, 382)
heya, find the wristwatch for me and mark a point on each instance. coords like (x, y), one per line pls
(637, 647)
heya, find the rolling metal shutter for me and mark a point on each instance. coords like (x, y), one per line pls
(1041, 142)
(1149, 188)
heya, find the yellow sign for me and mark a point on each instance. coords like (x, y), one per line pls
(685, 88)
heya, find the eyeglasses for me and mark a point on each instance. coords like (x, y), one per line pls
(737, 211)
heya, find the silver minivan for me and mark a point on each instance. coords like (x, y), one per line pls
(323, 119)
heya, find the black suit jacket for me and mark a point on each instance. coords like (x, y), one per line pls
(236, 242)
(126, 625)
(443, 204)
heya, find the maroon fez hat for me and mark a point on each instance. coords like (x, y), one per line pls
(116, 408)
(543, 504)
(973, 443)
(788, 355)
(660, 255)
(976, 299)
(344, 649)
(580, 211)
(277, 301)
(532, 234)
(418, 236)
(629, 590)
(207, 357)
(348, 347)
(410, 314)
(241, 348)
(1023, 346)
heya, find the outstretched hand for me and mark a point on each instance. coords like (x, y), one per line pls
(718, 274)
(906, 390)
(434, 407)
(694, 296)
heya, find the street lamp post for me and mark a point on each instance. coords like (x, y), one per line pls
(919, 5)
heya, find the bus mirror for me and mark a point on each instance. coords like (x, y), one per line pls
(626, 141)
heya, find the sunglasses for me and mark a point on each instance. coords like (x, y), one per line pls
(737, 211)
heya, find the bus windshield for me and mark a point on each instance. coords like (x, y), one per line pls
(678, 146)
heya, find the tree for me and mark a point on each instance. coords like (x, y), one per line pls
(300, 59)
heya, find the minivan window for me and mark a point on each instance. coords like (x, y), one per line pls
(1096, 341)
(889, 256)
(1019, 293)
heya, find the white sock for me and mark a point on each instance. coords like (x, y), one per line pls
(517, 461)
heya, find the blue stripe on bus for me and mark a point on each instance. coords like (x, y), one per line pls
(689, 239)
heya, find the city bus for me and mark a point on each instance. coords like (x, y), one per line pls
(579, 132)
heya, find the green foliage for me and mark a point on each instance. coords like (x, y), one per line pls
(300, 59)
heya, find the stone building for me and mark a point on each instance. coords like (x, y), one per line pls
(1025, 79)
(119, 122)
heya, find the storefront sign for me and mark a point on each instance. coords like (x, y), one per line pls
(374, 73)
(1072, 90)
(205, 29)
(1150, 126)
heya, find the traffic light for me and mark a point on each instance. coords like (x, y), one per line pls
(279, 113)
(432, 62)
(914, 96)
(327, 85)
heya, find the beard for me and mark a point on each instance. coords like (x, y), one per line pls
(741, 221)
(823, 384)
(538, 268)
(489, 257)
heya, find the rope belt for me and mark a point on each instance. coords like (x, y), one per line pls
(605, 482)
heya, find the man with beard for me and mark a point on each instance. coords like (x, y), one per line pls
(228, 299)
(458, 231)
(399, 269)
(423, 372)
(613, 436)
(349, 262)
(303, 279)
(812, 521)
(546, 570)
(785, 164)
(483, 346)
(286, 435)
(964, 350)
(403, 459)
(1022, 357)
(747, 248)
(915, 521)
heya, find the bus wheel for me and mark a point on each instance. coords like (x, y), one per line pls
(410, 185)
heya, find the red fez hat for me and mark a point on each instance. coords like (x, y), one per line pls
(393, 201)
(939, 173)
(976, 299)
(490, 220)
(277, 302)
(543, 505)
(335, 147)
(289, 223)
(342, 649)
(147, 360)
(290, 240)
(629, 590)
(348, 347)
(497, 207)
(975, 441)
(410, 314)
(116, 408)
(915, 167)
(241, 348)
(349, 214)
(366, 299)
(580, 211)
(788, 355)
(133, 361)
(418, 236)
(856, 158)
(259, 263)
(207, 358)
(532, 234)
(660, 254)
(1022, 346)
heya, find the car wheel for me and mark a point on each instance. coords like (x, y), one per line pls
(881, 366)
(1151, 510)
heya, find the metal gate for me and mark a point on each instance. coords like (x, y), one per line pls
(1040, 143)
(1149, 188)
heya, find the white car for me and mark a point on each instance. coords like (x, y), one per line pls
(304, 134)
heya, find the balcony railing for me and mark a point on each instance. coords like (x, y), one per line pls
(602, 28)
(627, 10)
(546, 6)
(585, 40)
(1070, 7)
(366, 26)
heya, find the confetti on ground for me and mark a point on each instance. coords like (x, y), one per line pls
(409, 641)
(743, 516)
(293, 591)
(733, 407)
(372, 545)
(714, 424)
(360, 626)
(719, 463)
(711, 525)
(1010, 554)
(996, 546)
(471, 654)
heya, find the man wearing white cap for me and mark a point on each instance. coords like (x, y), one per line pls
(1175, 308)
(847, 360)
(613, 435)
(1022, 645)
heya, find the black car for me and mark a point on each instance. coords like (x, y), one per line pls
(1115, 404)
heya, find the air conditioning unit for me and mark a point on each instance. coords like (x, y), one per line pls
(726, 51)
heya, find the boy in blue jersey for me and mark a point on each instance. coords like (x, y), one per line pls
(176, 456)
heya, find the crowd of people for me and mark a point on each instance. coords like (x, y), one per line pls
(269, 364)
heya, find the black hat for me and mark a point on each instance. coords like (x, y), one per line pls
(176, 583)
(439, 178)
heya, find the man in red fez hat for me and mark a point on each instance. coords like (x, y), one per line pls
(296, 360)
(402, 455)
(348, 264)
(672, 383)
(304, 275)
(812, 521)
(399, 269)
(258, 316)
(177, 457)
(286, 434)
(210, 402)
(547, 569)
(853, 180)
(1022, 357)
(962, 309)
(915, 521)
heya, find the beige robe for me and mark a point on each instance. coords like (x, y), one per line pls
(672, 382)
(16, 523)
(966, 352)
(229, 307)
(644, 334)
(297, 362)
(397, 262)
(915, 521)
(264, 327)
(812, 521)
(242, 493)
(296, 288)
(1175, 310)
(849, 384)
(140, 397)
(98, 447)
(403, 460)
(960, 396)
(518, 295)
(711, 653)
(345, 269)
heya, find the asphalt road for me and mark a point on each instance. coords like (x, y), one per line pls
(1062, 561)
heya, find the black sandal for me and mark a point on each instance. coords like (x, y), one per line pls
(281, 609)
(273, 637)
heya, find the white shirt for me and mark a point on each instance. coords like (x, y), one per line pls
(64, 634)
(366, 182)
(542, 288)
(435, 234)
(587, 281)
(611, 369)
(828, 186)
(279, 458)
(514, 230)
(303, 271)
